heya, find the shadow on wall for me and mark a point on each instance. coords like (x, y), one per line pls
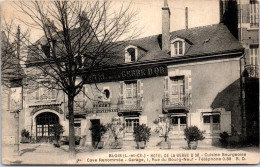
(228, 98)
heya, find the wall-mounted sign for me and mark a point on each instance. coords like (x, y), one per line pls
(120, 74)
(100, 110)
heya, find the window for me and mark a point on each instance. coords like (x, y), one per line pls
(131, 89)
(131, 123)
(131, 54)
(254, 5)
(47, 91)
(106, 94)
(211, 122)
(46, 50)
(177, 48)
(179, 123)
(77, 128)
(254, 54)
(176, 89)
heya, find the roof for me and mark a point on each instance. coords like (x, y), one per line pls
(206, 40)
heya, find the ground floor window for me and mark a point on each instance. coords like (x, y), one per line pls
(131, 123)
(211, 122)
(77, 127)
(179, 123)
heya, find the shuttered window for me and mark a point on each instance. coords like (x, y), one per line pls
(254, 12)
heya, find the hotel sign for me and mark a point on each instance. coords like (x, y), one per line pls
(121, 74)
(100, 110)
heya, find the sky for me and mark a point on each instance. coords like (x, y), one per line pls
(149, 18)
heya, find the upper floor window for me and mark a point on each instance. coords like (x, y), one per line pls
(131, 54)
(254, 12)
(47, 91)
(177, 89)
(177, 47)
(254, 54)
(131, 89)
(46, 50)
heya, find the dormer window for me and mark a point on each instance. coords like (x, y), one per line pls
(177, 47)
(131, 54)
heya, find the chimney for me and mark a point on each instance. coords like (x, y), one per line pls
(166, 27)
(186, 18)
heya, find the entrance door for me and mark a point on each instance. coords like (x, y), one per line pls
(43, 123)
(95, 133)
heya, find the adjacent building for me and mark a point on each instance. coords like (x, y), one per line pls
(242, 19)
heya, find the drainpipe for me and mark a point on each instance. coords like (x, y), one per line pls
(242, 97)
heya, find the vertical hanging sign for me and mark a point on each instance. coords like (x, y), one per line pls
(16, 102)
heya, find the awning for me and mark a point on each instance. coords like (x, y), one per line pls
(176, 110)
(210, 113)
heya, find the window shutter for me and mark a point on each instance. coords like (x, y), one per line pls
(139, 88)
(143, 119)
(186, 86)
(225, 121)
(166, 87)
(122, 85)
(37, 91)
(54, 91)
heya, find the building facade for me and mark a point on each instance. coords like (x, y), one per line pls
(191, 75)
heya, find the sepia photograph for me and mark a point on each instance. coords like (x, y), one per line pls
(129, 82)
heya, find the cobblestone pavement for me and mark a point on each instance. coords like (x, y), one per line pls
(44, 153)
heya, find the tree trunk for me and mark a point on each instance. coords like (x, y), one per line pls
(72, 149)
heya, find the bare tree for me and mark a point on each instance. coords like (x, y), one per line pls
(78, 37)
(10, 51)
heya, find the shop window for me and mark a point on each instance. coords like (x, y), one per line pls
(254, 13)
(131, 89)
(130, 124)
(177, 90)
(254, 54)
(211, 123)
(179, 123)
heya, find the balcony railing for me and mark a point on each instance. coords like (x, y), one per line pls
(252, 71)
(129, 104)
(172, 102)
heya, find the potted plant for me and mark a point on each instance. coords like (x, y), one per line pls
(116, 128)
(224, 139)
(141, 135)
(25, 136)
(98, 131)
(57, 130)
(163, 129)
(192, 135)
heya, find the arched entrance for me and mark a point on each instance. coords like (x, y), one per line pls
(43, 123)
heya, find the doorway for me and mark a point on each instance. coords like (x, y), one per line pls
(44, 122)
(95, 132)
